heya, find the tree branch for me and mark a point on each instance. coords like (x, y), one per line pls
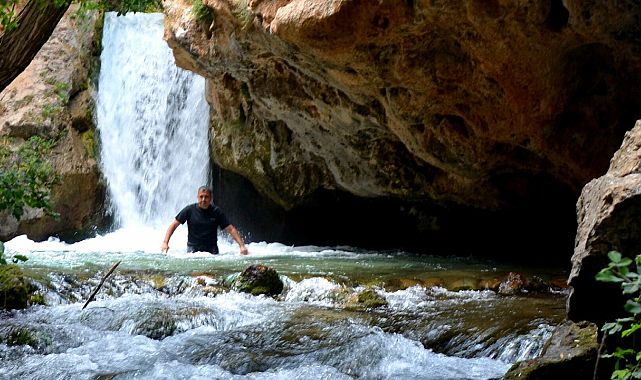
(93, 294)
(36, 23)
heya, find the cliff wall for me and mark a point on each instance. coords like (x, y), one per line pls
(52, 99)
(460, 108)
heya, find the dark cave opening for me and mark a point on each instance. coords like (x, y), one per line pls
(536, 232)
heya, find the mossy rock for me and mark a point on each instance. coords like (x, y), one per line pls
(21, 337)
(258, 279)
(14, 288)
(370, 299)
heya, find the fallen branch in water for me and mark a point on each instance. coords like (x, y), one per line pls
(91, 297)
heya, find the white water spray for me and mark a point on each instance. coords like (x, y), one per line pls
(153, 120)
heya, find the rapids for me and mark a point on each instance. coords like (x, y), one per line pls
(171, 316)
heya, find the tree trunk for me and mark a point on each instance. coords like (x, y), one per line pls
(36, 22)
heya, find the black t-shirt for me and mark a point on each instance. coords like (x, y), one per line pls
(202, 224)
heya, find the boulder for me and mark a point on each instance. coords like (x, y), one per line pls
(258, 279)
(608, 219)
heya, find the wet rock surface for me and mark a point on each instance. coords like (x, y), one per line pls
(570, 353)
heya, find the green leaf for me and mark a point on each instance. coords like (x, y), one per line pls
(632, 307)
(630, 287)
(17, 258)
(625, 262)
(620, 374)
(614, 256)
(605, 275)
(611, 328)
(631, 330)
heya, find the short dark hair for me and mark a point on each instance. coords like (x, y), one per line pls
(205, 188)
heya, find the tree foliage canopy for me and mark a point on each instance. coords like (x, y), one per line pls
(26, 179)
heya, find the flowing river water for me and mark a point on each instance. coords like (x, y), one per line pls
(171, 316)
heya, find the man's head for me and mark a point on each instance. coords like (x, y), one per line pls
(204, 197)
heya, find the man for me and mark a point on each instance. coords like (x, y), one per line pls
(203, 219)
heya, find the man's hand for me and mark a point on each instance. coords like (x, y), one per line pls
(164, 247)
(234, 234)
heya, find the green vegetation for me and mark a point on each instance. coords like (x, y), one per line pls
(627, 358)
(8, 16)
(59, 91)
(26, 179)
(51, 110)
(20, 337)
(14, 288)
(122, 6)
(89, 141)
(243, 14)
(9, 9)
(201, 12)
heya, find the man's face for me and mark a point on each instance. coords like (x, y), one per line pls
(204, 199)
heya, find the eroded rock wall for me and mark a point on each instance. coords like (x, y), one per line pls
(488, 104)
(53, 99)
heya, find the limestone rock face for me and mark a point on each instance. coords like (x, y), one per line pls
(484, 103)
(608, 216)
(52, 99)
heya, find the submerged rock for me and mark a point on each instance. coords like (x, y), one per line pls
(157, 323)
(570, 353)
(258, 279)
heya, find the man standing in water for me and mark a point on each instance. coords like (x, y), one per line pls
(203, 219)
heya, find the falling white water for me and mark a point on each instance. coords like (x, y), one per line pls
(153, 120)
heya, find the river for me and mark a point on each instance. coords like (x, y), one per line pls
(170, 316)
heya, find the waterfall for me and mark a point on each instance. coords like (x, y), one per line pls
(152, 118)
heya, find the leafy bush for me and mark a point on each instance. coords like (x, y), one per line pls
(627, 359)
(25, 177)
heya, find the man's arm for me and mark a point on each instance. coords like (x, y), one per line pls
(164, 247)
(234, 234)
